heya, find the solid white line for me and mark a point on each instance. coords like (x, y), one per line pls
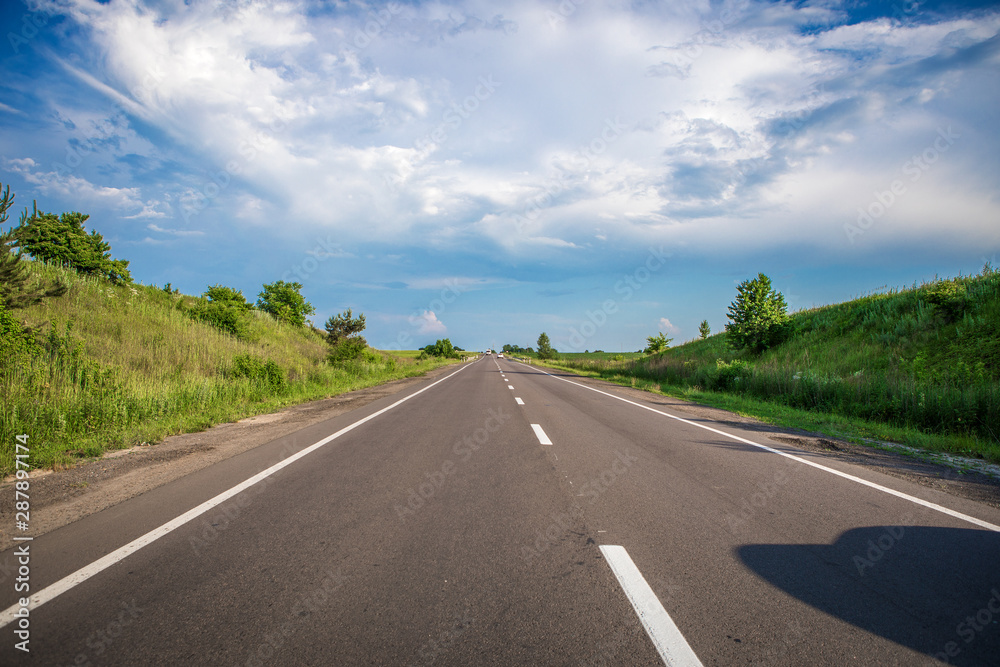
(66, 583)
(519, 401)
(540, 434)
(899, 494)
(667, 639)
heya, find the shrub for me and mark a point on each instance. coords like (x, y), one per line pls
(227, 319)
(442, 348)
(224, 308)
(15, 339)
(949, 298)
(255, 369)
(347, 349)
(732, 375)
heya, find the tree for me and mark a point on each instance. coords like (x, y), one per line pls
(344, 325)
(657, 343)
(545, 349)
(758, 317)
(15, 291)
(704, 329)
(283, 300)
(63, 240)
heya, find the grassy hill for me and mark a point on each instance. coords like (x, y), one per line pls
(920, 364)
(122, 365)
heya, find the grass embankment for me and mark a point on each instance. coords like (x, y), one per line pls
(126, 365)
(919, 366)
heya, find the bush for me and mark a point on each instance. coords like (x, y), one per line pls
(226, 318)
(442, 348)
(732, 375)
(15, 339)
(347, 349)
(255, 369)
(949, 298)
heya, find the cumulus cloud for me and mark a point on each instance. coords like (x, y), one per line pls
(428, 323)
(444, 126)
(667, 327)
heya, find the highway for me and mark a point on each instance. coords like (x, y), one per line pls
(504, 514)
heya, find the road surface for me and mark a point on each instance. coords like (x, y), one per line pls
(506, 515)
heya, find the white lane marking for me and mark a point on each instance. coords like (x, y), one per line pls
(899, 494)
(510, 386)
(540, 434)
(66, 583)
(667, 639)
(519, 401)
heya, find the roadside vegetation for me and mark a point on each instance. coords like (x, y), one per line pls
(90, 361)
(920, 366)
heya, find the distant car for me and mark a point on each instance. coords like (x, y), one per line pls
(500, 355)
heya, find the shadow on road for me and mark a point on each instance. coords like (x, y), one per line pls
(935, 590)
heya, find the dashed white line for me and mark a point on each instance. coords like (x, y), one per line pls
(510, 386)
(540, 434)
(667, 639)
(519, 401)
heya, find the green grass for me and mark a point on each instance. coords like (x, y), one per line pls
(904, 365)
(126, 365)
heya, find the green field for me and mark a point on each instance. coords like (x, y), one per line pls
(123, 365)
(919, 366)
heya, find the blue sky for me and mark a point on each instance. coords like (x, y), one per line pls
(599, 171)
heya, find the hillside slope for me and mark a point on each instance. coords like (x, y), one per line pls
(926, 358)
(121, 365)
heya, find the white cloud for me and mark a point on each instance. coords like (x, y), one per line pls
(428, 323)
(449, 124)
(81, 191)
(667, 327)
(174, 232)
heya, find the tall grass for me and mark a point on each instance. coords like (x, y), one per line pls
(899, 357)
(125, 365)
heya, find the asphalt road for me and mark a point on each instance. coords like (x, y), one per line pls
(443, 530)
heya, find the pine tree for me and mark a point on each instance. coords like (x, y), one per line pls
(758, 316)
(704, 329)
(15, 291)
(62, 240)
(343, 325)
